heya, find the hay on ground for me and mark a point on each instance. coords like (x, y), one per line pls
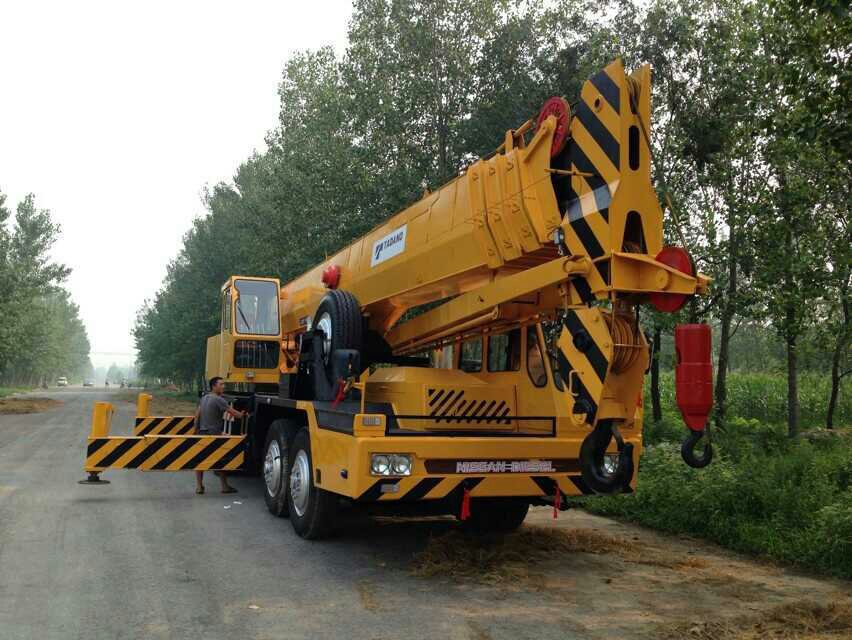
(23, 405)
(502, 559)
(799, 621)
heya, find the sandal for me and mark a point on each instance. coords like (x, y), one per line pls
(229, 490)
(199, 490)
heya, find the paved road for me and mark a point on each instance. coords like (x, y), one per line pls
(144, 557)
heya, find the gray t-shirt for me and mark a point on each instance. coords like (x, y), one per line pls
(210, 417)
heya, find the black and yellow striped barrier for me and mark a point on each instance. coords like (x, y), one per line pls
(165, 453)
(156, 452)
(147, 425)
(164, 426)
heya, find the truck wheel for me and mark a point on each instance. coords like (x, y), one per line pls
(339, 318)
(312, 510)
(276, 465)
(496, 515)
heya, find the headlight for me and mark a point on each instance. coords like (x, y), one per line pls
(401, 465)
(381, 465)
(390, 464)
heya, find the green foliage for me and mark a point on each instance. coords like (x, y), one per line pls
(41, 336)
(764, 493)
(790, 503)
(8, 391)
(758, 399)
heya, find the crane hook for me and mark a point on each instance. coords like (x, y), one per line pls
(592, 454)
(687, 449)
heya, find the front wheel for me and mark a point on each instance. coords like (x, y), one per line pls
(312, 510)
(496, 515)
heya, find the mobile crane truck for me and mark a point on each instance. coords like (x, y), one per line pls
(414, 369)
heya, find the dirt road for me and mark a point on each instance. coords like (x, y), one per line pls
(144, 557)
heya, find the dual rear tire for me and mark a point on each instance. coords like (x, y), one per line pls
(289, 478)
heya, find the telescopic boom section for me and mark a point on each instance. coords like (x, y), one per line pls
(563, 214)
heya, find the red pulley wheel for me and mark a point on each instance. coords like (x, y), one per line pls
(557, 106)
(677, 258)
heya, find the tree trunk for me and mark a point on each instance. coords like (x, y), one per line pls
(656, 405)
(835, 388)
(839, 349)
(791, 325)
(721, 391)
(792, 388)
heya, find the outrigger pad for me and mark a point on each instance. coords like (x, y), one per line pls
(93, 478)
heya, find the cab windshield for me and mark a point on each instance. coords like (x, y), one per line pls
(257, 307)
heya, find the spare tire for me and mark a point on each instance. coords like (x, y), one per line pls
(339, 318)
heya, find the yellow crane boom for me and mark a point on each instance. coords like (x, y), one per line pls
(501, 217)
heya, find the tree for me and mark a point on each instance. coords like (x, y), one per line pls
(114, 374)
(806, 244)
(41, 336)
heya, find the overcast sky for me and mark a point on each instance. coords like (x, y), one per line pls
(116, 114)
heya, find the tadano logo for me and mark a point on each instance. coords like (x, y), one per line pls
(391, 245)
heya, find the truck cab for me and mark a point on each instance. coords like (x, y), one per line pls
(247, 348)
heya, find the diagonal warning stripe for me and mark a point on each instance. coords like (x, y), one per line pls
(164, 425)
(165, 453)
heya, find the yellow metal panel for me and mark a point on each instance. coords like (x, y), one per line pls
(513, 207)
(496, 201)
(476, 178)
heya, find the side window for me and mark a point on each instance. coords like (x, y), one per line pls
(226, 310)
(504, 351)
(471, 355)
(442, 357)
(535, 358)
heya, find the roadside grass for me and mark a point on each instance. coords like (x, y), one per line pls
(763, 396)
(799, 621)
(8, 391)
(18, 406)
(764, 494)
(165, 402)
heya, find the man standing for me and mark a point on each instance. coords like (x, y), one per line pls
(210, 421)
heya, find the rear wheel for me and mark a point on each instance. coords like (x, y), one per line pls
(276, 465)
(312, 510)
(496, 515)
